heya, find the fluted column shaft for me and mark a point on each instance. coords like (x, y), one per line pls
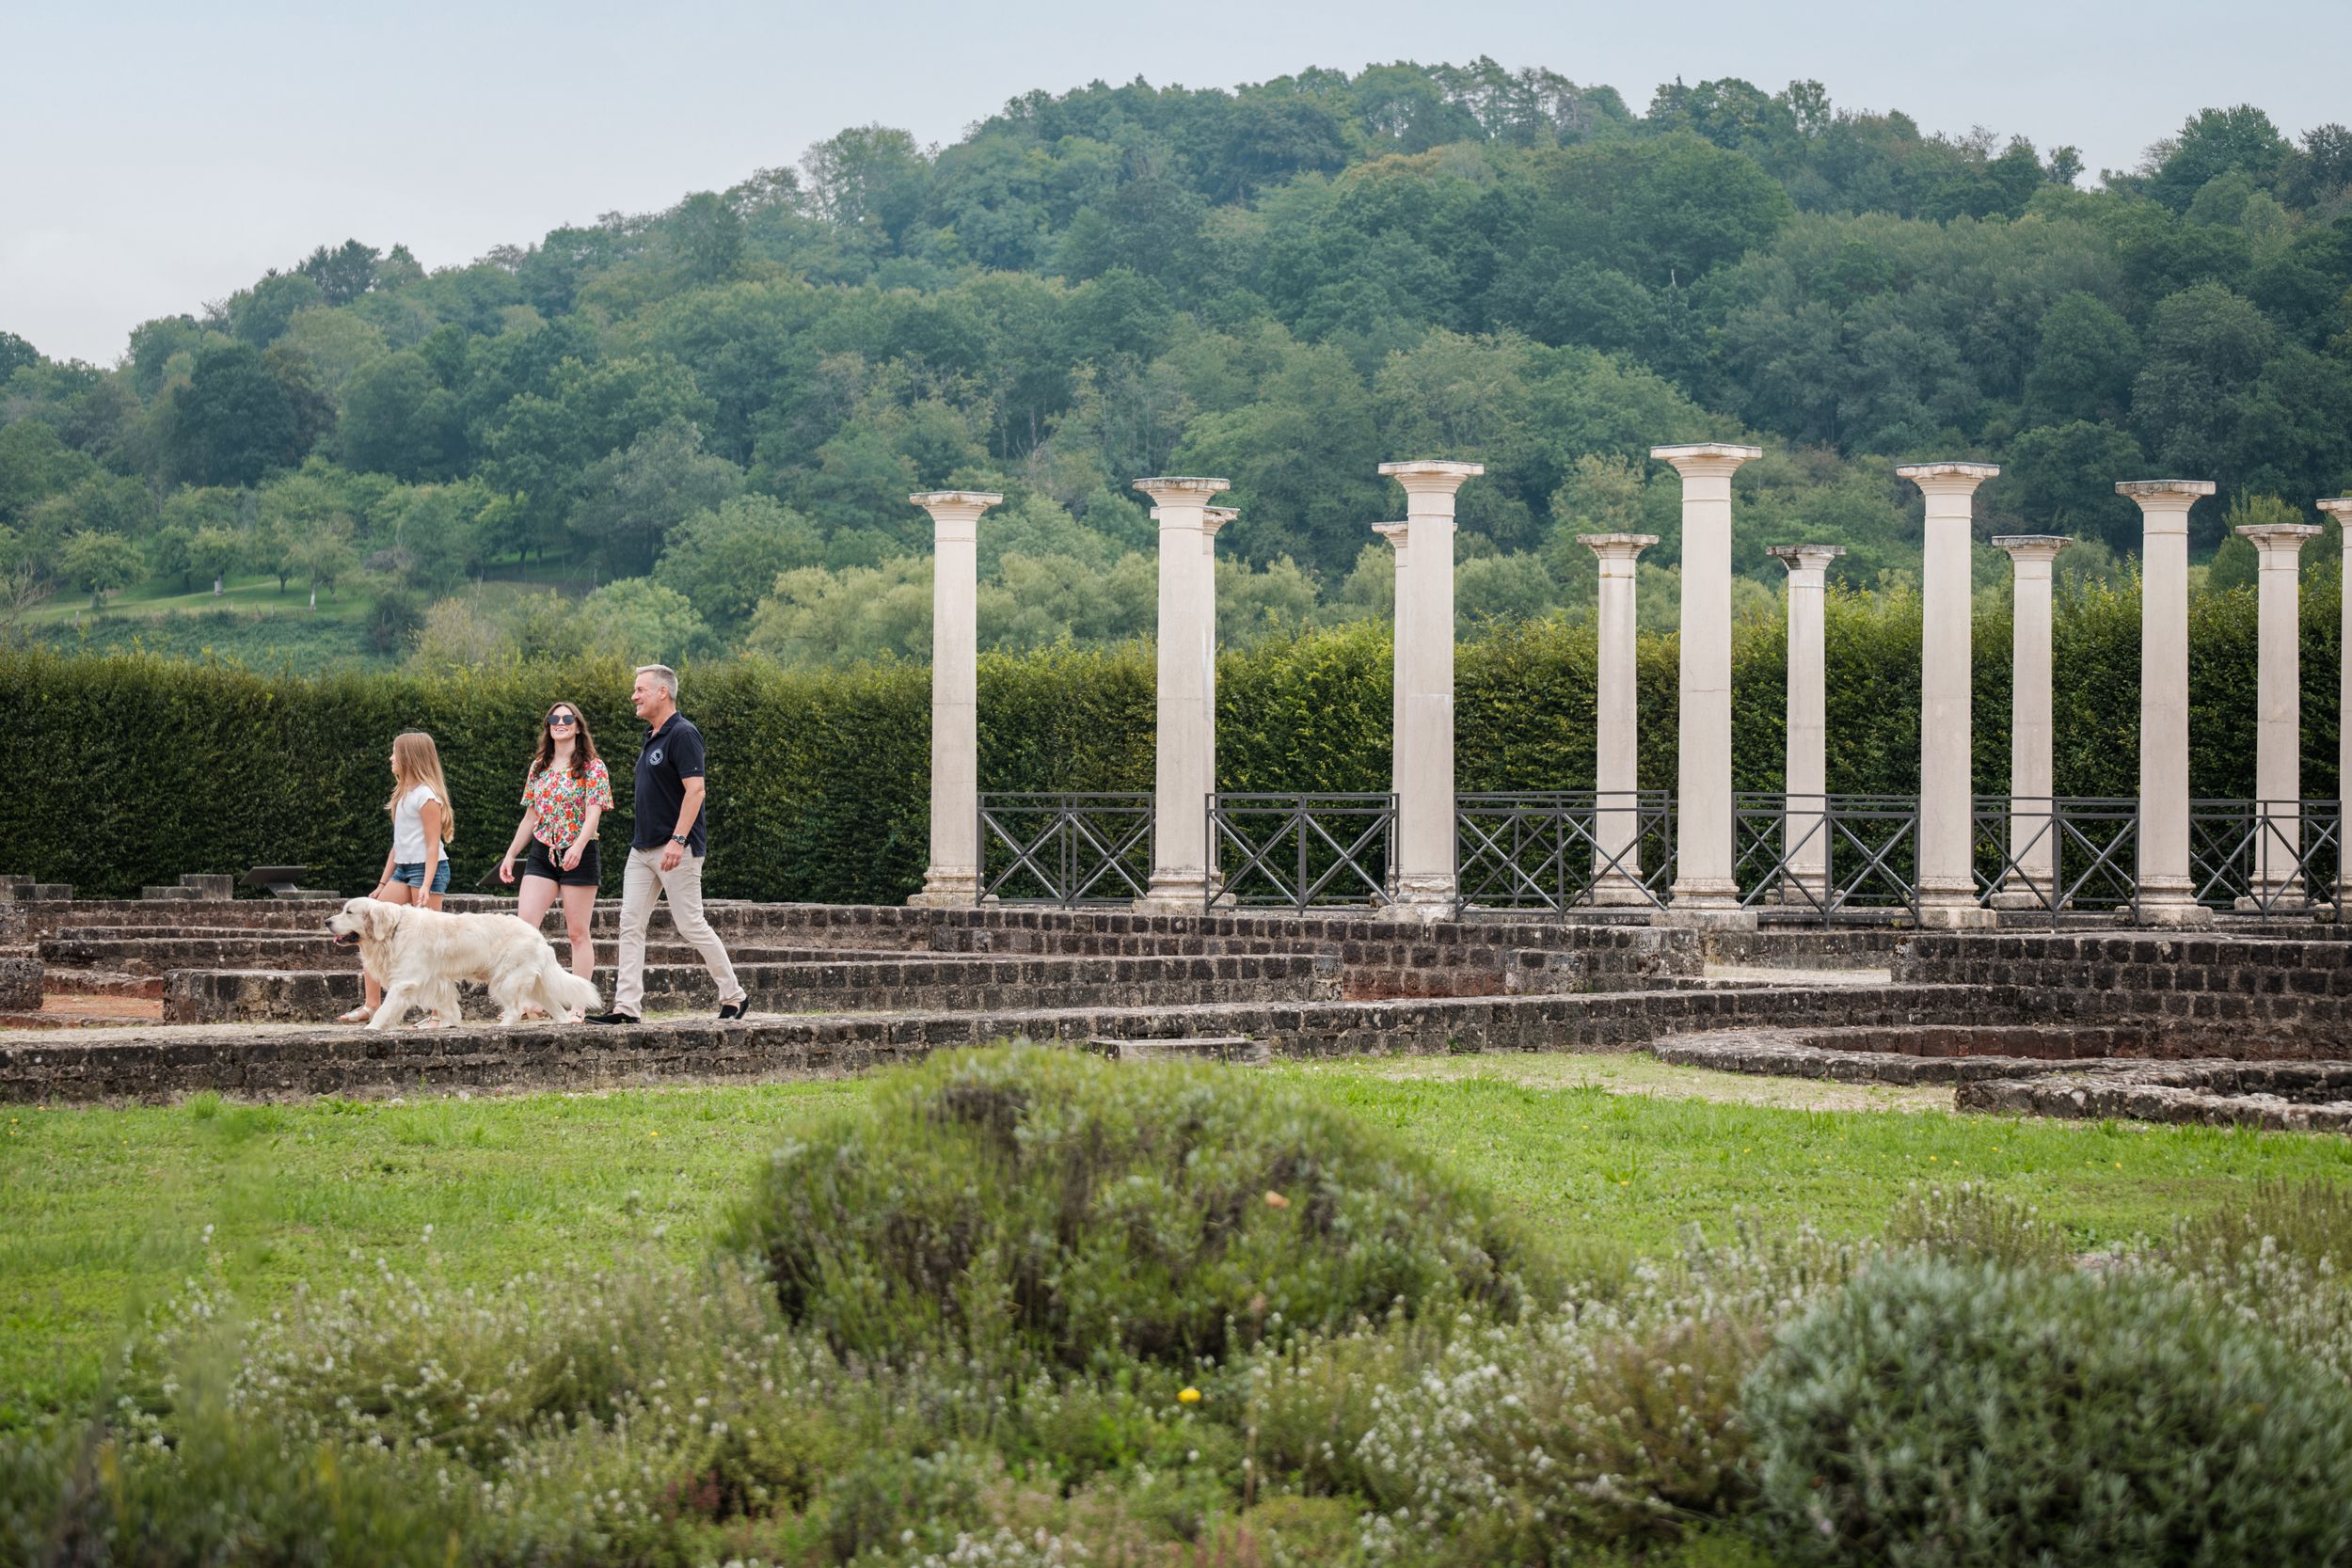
(1183, 752)
(1398, 534)
(1425, 884)
(953, 876)
(2168, 892)
(1704, 890)
(2032, 834)
(1616, 759)
(1948, 817)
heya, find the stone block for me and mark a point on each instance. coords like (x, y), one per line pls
(210, 884)
(20, 980)
(167, 895)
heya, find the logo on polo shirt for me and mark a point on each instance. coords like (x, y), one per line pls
(654, 756)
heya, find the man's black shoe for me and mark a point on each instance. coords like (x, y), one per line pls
(730, 1010)
(614, 1018)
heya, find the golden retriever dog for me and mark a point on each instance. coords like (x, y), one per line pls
(419, 955)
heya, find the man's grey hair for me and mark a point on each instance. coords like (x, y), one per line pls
(662, 672)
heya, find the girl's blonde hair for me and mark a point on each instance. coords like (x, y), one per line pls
(417, 761)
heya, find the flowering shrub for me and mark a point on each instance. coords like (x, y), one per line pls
(1939, 1412)
(1086, 1213)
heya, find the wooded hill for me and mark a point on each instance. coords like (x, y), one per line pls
(716, 412)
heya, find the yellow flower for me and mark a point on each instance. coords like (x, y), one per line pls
(1189, 1396)
(1276, 1200)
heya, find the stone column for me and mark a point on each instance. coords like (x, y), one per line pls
(1947, 806)
(2168, 893)
(1185, 745)
(2278, 710)
(2340, 508)
(1705, 891)
(1425, 766)
(1617, 705)
(1804, 842)
(2032, 877)
(1396, 535)
(1213, 519)
(954, 875)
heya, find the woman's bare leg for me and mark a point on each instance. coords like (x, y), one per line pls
(580, 908)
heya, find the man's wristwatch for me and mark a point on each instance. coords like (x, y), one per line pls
(678, 838)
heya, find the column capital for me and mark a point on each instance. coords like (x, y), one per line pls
(951, 509)
(1216, 518)
(2340, 508)
(2021, 548)
(1396, 534)
(1184, 491)
(2164, 495)
(1706, 457)
(1948, 479)
(2281, 538)
(1430, 476)
(1805, 558)
(1617, 546)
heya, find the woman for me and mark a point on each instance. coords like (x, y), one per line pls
(566, 795)
(416, 871)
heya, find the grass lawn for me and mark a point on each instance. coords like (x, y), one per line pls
(103, 1213)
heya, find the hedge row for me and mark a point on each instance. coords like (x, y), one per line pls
(135, 770)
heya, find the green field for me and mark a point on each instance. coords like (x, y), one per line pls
(104, 1213)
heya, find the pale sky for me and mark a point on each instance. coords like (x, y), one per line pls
(156, 156)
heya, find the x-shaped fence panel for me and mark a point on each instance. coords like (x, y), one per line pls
(2265, 856)
(1832, 856)
(1303, 851)
(2058, 854)
(1065, 848)
(1558, 850)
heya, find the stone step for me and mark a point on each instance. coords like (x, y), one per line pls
(157, 954)
(1232, 1050)
(101, 982)
(157, 1062)
(902, 984)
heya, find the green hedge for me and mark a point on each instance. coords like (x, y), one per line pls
(137, 769)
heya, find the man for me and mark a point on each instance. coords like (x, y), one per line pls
(666, 856)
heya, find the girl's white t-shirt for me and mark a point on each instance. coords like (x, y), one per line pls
(409, 826)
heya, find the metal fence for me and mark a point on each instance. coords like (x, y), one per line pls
(1827, 856)
(1065, 848)
(2057, 855)
(1562, 850)
(1301, 851)
(2265, 856)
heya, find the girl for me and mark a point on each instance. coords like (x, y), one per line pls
(415, 870)
(566, 795)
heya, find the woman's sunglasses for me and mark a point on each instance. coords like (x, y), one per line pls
(560, 720)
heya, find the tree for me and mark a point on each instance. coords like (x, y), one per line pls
(723, 561)
(630, 501)
(219, 550)
(322, 555)
(399, 420)
(709, 237)
(101, 562)
(233, 421)
(2215, 142)
(2206, 348)
(2061, 479)
(638, 620)
(2084, 365)
(342, 274)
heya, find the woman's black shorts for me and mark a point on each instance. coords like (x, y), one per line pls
(543, 861)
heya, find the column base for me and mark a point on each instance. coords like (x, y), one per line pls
(1674, 917)
(2020, 899)
(1615, 890)
(1422, 900)
(1957, 917)
(2174, 911)
(948, 890)
(1175, 893)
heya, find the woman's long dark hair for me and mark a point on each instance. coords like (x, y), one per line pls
(583, 744)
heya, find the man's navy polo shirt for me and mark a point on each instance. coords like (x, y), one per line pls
(668, 757)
